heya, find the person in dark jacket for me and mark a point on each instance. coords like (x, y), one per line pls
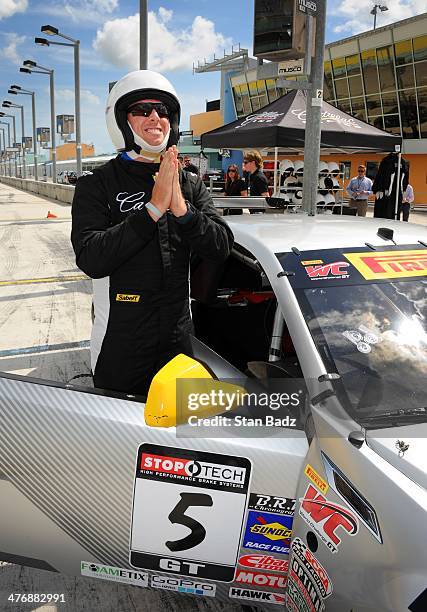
(258, 183)
(135, 222)
(234, 186)
(187, 165)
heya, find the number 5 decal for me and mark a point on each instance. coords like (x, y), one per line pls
(178, 516)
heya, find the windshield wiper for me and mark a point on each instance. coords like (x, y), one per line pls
(412, 416)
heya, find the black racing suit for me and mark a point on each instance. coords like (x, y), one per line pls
(141, 291)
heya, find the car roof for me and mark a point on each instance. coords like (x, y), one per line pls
(278, 233)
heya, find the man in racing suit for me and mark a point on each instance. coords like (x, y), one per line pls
(135, 223)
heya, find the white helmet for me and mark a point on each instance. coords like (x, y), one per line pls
(299, 167)
(131, 88)
(323, 168)
(329, 199)
(334, 169)
(286, 166)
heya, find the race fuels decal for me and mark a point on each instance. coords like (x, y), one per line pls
(185, 502)
(115, 574)
(329, 520)
(269, 531)
(308, 581)
(353, 266)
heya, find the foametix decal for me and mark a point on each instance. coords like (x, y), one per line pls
(183, 585)
(268, 532)
(264, 562)
(181, 510)
(112, 573)
(329, 520)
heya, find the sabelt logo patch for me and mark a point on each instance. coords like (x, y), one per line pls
(265, 562)
(194, 470)
(183, 585)
(311, 473)
(261, 579)
(327, 519)
(263, 596)
(389, 264)
(127, 297)
(115, 574)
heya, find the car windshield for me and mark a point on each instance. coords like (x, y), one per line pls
(375, 337)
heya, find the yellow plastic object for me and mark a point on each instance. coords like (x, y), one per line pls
(161, 406)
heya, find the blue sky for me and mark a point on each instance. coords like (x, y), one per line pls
(180, 32)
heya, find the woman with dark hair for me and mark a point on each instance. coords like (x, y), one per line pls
(234, 186)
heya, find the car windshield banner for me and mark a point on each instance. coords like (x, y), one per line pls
(354, 265)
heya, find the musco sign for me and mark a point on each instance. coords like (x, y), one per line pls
(308, 6)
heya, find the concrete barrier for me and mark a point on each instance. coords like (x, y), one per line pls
(55, 191)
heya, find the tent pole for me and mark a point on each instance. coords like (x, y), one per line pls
(396, 201)
(275, 171)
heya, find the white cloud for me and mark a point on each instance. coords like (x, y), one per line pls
(67, 95)
(10, 51)
(359, 18)
(10, 7)
(80, 11)
(169, 50)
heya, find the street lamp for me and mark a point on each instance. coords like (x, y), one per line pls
(30, 67)
(14, 139)
(8, 104)
(52, 31)
(374, 11)
(3, 150)
(8, 140)
(16, 89)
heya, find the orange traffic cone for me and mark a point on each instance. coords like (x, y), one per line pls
(51, 215)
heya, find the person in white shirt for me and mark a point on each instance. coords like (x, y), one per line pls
(359, 189)
(405, 207)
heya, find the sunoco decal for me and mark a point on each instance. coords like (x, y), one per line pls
(181, 510)
(264, 562)
(183, 585)
(260, 579)
(115, 574)
(327, 519)
(269, 532)
(272, 503)
(261, 596)
(313, 567)
(389, 264)
(311, 473)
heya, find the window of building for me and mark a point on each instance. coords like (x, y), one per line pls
(392, 124)
(355, 86)
(408, 112)
(422, 106)
(358, 108)
(370, 75)
(253, 93)
(271, 90)
(238, 102)
(386, 68)
(421, 73)
(405, 76)
(341, 88)
(328, 90)
(373, 104)
(420, 48)
(338, 67)
(244, 92)
(389, 101)
(353, 64)
(262, 92)
(403, 52)
(377, 121)
(344, 105)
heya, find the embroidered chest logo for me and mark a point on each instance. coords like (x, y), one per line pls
(130, 201)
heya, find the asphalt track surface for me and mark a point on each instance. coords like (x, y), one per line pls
(45, 303)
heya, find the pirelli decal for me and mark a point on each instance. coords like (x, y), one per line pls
(127, 297)
(389, 264)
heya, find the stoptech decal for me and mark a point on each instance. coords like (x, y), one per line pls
(262, 596)
(266, 531)
(183, 585)
(181, 510)
(125, 297)
(115, 574)
(265, 562)
(261, 579)
(326, 518)
(389, 264)
(302, 590)
(313, 567)
(311, 473)
(336, 269)
(272, 503)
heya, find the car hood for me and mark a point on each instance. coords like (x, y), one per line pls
(413, 462)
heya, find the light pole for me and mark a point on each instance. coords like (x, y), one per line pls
(8, 140)
(143, 34)
(8, 104)
(51, 31)
(374, 12)
(16, 89)
(14, 139)
(29, 68)
(3, 151)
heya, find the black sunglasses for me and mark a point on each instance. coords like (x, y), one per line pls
(144, 109)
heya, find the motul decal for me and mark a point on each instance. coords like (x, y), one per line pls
(337, 269)
(260, 579)
(327, 519)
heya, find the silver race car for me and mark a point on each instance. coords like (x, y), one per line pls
(312, 499)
